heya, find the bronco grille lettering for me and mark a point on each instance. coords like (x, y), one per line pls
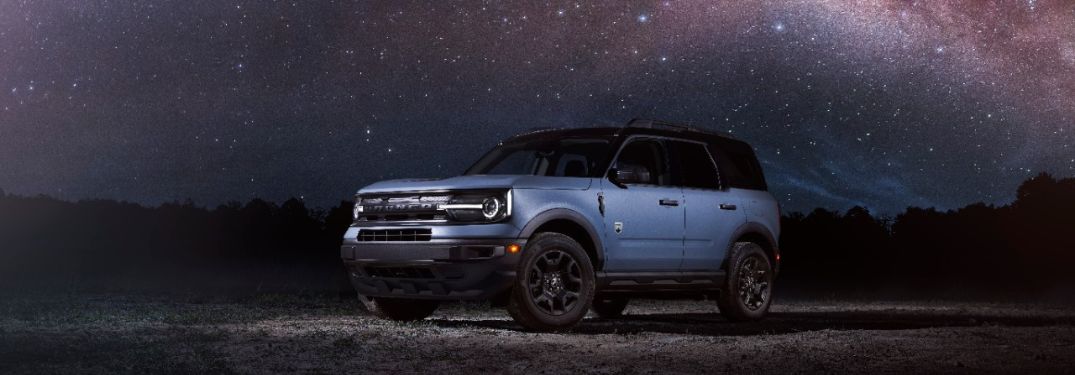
(403, 208)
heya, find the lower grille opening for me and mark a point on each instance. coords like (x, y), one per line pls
(400, 272)
(394, 235)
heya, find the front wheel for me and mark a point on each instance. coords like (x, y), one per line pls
(554, 284)
(748, 288)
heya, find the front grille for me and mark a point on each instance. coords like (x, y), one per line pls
(395, 235)
(404, 208)
(400, 272)
(404, 217)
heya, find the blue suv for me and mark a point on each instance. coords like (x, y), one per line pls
(554, 223)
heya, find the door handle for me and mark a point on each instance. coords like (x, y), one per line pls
(669, 202)
(725, 206)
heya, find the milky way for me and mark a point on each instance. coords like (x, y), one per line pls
(883, 104)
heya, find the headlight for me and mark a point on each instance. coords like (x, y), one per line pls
(358, 209)
(489, 207)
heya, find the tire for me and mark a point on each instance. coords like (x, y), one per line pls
(748, 286)
(609, 307)
(554, 285)
(400, 310)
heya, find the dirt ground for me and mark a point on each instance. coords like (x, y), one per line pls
(110, 334)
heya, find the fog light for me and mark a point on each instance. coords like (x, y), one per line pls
(514, 248)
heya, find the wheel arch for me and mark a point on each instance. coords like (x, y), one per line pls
(572, 224)
(759, 234)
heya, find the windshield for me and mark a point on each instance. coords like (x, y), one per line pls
(568, 157)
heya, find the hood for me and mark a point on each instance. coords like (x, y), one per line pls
(477, 182)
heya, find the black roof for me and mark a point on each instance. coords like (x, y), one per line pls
(735, 158)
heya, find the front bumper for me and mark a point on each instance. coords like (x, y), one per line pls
(438, 269)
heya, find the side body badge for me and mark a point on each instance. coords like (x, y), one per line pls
(618, 227)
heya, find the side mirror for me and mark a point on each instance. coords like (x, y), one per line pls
(614, 177)
(629, 174)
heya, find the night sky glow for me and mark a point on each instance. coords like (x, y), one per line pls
(883, 104)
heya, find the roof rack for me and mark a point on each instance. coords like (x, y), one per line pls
(535, 130)
(656, 124)
(664, 125)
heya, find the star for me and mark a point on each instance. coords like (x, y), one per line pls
(819, 91)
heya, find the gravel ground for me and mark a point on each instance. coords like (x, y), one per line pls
(110, 334)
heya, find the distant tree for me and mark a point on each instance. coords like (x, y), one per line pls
(1038, 193)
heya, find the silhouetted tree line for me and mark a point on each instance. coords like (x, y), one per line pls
(261, 247)
(178, 247)
(1026, 246)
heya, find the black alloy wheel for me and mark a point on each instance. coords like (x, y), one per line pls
(554, 284)
(748, 287)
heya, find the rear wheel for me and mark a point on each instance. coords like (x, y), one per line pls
(402, 310)
(609, 307)
(748, 288)
(554, 285)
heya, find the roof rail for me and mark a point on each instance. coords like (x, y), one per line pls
(657, 124)
(537, 129)
(664, 125)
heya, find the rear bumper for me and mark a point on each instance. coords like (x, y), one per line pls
(467, 269)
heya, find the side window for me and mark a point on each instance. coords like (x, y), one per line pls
(745, 165)
(695, 166)
(647, 157)
(738, 166)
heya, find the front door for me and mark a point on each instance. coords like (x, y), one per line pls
(643, 219)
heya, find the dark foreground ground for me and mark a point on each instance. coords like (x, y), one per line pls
(109, 334)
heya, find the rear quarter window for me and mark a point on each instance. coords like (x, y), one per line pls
(738, 165)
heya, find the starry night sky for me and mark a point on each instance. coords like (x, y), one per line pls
(883, 104)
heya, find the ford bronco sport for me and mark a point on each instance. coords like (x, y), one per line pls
(554, 223)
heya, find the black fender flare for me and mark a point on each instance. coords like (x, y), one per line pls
(567, 214)
(750, 228)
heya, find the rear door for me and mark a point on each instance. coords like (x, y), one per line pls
(712, 213)
(644, 221)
